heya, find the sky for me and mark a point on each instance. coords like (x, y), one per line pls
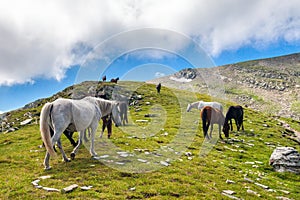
(49, 45)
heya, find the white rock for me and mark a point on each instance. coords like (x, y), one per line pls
(48, 189)
(85, 188)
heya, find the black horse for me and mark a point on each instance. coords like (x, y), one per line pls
(158, 87)
(236, 113)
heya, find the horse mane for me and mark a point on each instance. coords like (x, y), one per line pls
(105, 105)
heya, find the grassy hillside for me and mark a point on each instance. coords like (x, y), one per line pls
(171, 137)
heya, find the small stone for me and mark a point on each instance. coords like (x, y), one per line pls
(230, 181)
(285, 191)
(262, 186)
(188, 154)
(120, 163)
(253, 192)
(35, 182)
(250, 163)
(101, 157)
(230, 192)
(142, 120)
(282, 198)
(85, 188)
(69, 188)
(164, 163)
(45, 177)
(142, 160)
(132, 189)
(259, 162)
(248, 180)
(48, 189)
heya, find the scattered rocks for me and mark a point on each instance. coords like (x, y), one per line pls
(285, 159)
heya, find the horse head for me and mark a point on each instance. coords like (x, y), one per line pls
(116, 114)
(226, 129)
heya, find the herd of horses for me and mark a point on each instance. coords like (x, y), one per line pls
(68, 116)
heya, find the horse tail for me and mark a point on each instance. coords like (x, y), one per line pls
(45, 129)
(204, 120)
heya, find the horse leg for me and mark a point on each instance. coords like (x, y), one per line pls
(237, 124)
(103, 126)
(204, 128)
(231, 128)
(54, 138)
(126, 117)
(69, 135)
(84, 135)
(65, 158)
(109, 128)
(75, 150)
(220, 136)
(92, 149)
(211, 129)
(46, 161)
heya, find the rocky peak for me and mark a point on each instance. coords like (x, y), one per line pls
(187, 73)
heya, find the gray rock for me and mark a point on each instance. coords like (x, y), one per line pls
(48, 189)
(27, 121)
(285, 159)
(69, 188)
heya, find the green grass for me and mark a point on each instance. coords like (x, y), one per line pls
(199, 178)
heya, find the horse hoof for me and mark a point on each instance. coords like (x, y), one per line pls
(72, 156)
(68, 160)
(47, 168)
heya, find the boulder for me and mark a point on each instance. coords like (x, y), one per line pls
(285, 159)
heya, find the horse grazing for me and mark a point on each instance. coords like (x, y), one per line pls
(211, 116)
(83, 114)
(114, 80)
(236, 113)
(200, 104)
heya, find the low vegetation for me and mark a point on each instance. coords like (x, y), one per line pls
(161, 157)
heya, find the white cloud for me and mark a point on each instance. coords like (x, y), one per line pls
(159, 74)
(38, 38)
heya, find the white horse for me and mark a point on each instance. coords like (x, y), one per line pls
(81, 114)
(201, 104)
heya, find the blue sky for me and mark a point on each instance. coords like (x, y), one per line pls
(42, 53)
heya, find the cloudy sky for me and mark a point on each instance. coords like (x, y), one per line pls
(43, 43)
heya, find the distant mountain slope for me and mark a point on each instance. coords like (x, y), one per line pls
(271, 85)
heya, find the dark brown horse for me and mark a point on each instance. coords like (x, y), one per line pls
(158, 87)
(114, 80)
(104, 78)
(236, 113)
(211, 116)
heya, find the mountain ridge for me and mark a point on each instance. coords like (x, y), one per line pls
(270, 85)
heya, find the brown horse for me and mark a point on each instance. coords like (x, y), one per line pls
(114, 80)
(211, 116)
(104, 78)
(236, 113)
